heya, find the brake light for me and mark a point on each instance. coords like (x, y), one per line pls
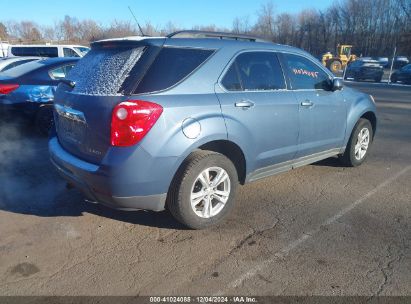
(131, 120)
(8, 88)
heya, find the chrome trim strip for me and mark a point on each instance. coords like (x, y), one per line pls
(70, 113)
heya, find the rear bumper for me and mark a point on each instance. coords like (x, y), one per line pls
(96, 185)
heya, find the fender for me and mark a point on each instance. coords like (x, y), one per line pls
(355, 110)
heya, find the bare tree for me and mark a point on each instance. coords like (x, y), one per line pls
(373, 27)
(265, 25)
(241, 25)
(3, 32)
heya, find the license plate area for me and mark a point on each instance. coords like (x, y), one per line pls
(71, 125)
(71, 130)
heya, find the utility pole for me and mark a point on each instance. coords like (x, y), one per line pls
(392, 64)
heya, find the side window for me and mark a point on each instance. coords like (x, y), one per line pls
(60, 72)
(231, 80)
(69, 53)
(254, 71)
(170, 67)
(35, 51)
(304, 74)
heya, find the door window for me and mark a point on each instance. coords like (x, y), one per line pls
(254, 71)
(305, 74)
(70, 53)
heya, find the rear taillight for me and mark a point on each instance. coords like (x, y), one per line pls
(131, 120)
(8, 88)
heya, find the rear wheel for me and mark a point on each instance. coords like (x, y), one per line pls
(394, 79)
(44, 120)
(359, 144)
(203, 191)
(378, 79)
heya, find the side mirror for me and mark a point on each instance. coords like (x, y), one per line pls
(337, 84)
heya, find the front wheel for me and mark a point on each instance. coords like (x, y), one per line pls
(335, 66)
(203, 191)
(359, 144)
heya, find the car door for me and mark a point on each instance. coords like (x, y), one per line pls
(260, 114)
(322, 112)
(405, 73)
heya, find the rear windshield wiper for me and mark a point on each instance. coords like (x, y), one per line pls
(68, 82)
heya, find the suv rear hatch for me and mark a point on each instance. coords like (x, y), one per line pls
(103, 78)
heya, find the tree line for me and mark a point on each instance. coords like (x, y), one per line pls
(373, 27)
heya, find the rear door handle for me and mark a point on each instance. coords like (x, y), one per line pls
(245, 104)
(307, 103)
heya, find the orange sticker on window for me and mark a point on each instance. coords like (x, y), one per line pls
(305, 72)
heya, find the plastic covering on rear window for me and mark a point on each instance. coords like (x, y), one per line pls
(103, 71)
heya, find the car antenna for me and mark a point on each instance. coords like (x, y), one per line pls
(139, 27)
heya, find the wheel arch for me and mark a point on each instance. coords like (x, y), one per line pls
(232, 151)
(372, 118)
(224, 146)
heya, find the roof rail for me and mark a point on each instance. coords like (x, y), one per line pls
(220, 35)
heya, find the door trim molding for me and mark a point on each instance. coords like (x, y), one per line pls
(291, 164)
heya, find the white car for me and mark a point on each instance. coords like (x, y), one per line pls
(47, 50)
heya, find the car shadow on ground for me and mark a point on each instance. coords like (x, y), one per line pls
(71, 203)
(29, 184)
(329, 162)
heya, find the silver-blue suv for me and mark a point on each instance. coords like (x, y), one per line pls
(179, 122)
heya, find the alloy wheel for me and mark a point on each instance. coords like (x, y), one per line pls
(210, 192)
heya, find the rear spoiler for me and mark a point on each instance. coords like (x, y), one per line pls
(129, 42)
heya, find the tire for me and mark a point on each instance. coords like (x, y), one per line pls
(352, 157)
(186, 184)
(394, 79)
(334, 66)
(44, 120)
(378, 79)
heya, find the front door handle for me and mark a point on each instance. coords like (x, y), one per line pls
(245, 104)
(307, 103)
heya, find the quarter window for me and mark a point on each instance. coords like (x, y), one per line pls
(170, 67)
(254, 71)
(61, 72)
(304, 74)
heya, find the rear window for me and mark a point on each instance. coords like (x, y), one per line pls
(22, 69)
(16, 63)
(170, 67)
(35, 51)
(103, 71)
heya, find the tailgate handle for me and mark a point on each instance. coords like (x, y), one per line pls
(70, 113)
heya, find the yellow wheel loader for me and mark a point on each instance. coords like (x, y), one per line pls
(338, 62)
